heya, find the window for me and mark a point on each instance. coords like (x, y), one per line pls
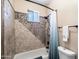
(33, 16)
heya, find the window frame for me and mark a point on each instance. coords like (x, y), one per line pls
(38, 20)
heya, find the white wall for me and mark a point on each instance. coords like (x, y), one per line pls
(23, 6)
(67, 11)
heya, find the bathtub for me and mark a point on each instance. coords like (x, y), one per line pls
(32, 54)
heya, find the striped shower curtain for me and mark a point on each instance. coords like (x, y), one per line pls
(53, 51)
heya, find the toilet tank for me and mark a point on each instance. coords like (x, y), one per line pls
(65, 53)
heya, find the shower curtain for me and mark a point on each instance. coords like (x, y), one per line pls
(53, 47)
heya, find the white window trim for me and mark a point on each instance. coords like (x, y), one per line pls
(36, 12)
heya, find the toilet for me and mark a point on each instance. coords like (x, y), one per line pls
(65, 53)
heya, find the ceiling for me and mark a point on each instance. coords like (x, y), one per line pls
(44, 2)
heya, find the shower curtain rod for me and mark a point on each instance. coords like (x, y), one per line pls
(71, 26)
(41, 5)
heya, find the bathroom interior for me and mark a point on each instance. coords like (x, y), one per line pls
(39, 29)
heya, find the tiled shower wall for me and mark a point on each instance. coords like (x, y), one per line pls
(8, 18)
(39, 29)
(38, 33)
(24, 39)
(12, 44)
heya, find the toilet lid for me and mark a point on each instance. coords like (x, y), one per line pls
(66, 51)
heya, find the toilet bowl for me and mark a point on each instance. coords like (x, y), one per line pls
(65, 53)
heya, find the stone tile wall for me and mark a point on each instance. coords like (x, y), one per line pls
(39, 29)
(9, 42)
(25, 40)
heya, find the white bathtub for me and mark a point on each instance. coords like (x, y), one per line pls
(32, 54)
